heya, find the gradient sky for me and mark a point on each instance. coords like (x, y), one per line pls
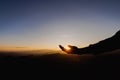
(45, 24)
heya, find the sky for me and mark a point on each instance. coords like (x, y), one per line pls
(44, 24)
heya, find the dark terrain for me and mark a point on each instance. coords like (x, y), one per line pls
(106, 63)
(102, 58)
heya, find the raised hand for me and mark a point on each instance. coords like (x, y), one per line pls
(72, 50)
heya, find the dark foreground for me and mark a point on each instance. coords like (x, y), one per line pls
(108, 63)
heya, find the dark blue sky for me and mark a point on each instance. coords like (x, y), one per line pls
(48, 23)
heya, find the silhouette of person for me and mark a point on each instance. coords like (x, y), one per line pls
(106, 45)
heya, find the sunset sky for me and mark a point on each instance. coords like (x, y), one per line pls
(44, 24)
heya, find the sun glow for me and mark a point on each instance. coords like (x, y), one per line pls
(67, 48)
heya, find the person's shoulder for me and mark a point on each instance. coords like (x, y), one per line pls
(117, 33)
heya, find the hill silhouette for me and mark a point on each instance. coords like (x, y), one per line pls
(106, 63)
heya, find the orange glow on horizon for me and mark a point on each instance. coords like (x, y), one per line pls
(14, 48)
(3, 48)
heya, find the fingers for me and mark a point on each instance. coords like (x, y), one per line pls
(70, 46)
(72, 50)
(61, 47)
